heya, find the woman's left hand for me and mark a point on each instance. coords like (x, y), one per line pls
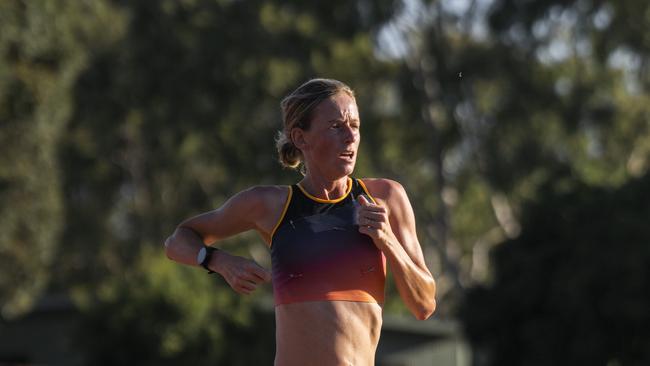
(373, 221)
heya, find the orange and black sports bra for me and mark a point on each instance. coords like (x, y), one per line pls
(318, 253)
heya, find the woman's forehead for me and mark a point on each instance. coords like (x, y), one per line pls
(338, 107)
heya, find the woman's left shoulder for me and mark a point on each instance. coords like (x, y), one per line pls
(384, 189)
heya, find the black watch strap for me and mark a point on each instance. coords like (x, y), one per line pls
(204, 256)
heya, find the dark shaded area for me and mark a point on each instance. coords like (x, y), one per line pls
(574, 287)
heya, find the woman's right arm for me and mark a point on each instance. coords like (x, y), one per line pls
(246, 210)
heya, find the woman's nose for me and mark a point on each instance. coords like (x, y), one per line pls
(350, 134)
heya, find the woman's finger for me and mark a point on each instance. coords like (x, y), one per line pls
(243, 291)
(251, 278)
(260, 273)
(373, 216)
(368, 230)
(246, 285)
(372, 207)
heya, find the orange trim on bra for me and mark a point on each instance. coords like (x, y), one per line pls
(284, 212)
(321, 200)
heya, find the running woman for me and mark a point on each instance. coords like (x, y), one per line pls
(331, 237)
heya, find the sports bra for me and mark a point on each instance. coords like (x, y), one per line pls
(318, 254)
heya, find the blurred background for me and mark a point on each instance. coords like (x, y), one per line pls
(520, 130)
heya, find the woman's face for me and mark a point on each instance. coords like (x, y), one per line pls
(330, 145)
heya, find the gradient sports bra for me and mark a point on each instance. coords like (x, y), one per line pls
(318, 253)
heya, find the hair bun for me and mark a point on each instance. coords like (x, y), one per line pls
(289, 155)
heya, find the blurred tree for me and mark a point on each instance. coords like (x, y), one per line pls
(121, 118)
(183, 112)
(176, 115)
(501, 97)
(150, 316)
(43, 47)
(574, 287)
(552, 119)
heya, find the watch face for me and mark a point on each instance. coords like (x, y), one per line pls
(201, 256)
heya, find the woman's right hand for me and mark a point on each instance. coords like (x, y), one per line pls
(242, 274)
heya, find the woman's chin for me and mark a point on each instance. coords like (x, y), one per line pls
(348, 169)
(340, 170)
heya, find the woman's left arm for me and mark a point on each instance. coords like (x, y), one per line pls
(390, 223)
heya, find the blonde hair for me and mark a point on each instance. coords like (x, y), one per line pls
(297, 109)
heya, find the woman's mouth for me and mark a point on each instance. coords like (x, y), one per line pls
(347, 155)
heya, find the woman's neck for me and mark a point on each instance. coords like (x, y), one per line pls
(325, 188)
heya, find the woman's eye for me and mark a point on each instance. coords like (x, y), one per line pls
(338, 126)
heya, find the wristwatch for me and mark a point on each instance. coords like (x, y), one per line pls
(203, 258)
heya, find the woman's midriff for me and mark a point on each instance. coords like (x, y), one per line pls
(328, 333)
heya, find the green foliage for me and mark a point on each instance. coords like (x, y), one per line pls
(558, 121)
(574, 288)
(121, 118)
(160, 313)
(174, 116)
(43, 47)
(489, 113)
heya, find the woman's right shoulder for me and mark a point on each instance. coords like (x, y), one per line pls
(269, 196)
(246, 210)
(268, 204)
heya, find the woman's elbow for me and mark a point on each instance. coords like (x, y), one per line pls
(427, 303)
(169, 246)
(425, 311)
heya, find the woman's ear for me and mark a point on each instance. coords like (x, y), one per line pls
(298, 138)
